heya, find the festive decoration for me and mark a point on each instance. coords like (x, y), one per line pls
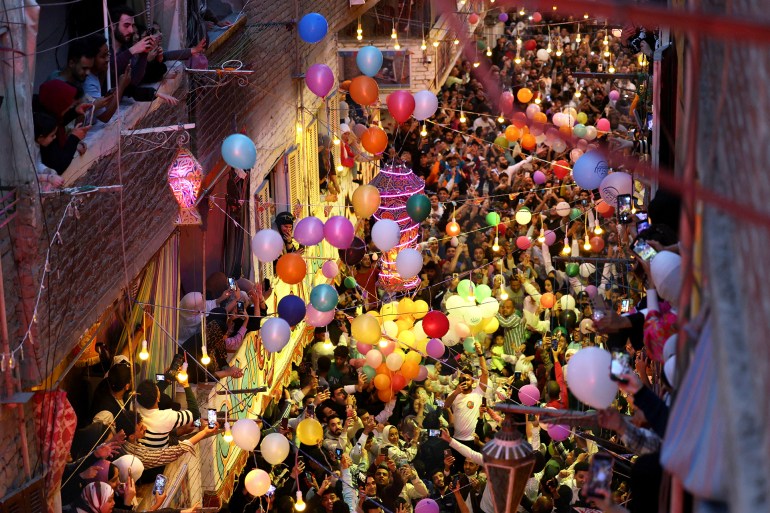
(400, 105)
(312, 27)
(330, 269)
(275, 333)
(184, 177)
(239, 151)
(339, 232)
(369, 60)
(257, 482)
(291, 268)
(418, 207)
(374, 140)
(366, 200)
(309, 231)
(129, 464)
(366, 329)
(508, 460)
(291, 309)
(246, 434)
(324, 298)
(386, 234)
(614, 185)
(426, 104)
(364, 90)
(275, 448)
(529, 395)
(355, 253)
(319, 79)
(588, 377)
(589, 170)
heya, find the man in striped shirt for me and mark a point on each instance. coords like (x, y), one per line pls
(159, 423)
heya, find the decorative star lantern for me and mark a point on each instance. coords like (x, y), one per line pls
(508, 460)
(397, 183)
(184, 178)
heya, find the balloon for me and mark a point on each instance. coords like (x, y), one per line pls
(589, 170)
(366, 329)
(291, 309)
(360, 346)
(538, 177)
(312, 28)
(129, 463)
(586, 326)
(374, 140)
(386, 234)
(665, 268)
(267, 245)
(579, 130)
(519, 120)
(462, 330)
(669, 348)
(318, 319)
(482, 292)
(369, 60)
(406, 338)
(568, 319)
(530, 45)
(506, 102)
(339, 232)
(349, 282)
(538, 117)
(418, 207)
(558, 432)
(528, 142)
(246, 434)
(291, 268)
(309, 231)
(420, 309)
(398, 381)
(547, 300)
(330, 269)
(435, 348)
(354, 254)
(426, 104)
(409, 263)
(359, 129)
(275, 448)
(422, 374)
(669, 369)
(324, 298)
(574, 213)
(473, 18)
(319, 79)
(239, 151)
(386, 349)
(385, 395)
(493, 219)
(524, 95)
(529, 395)
(364, 90)
(582, 145)
(435, 324)
(400, 105)
(410, 369)
(532, 110)
(523, 242)
(472, 315)
(501, 142)
(582, 118)
(405, 306)
(373, 358)
(382, 382)
(591, 290)
(603, 125)
(589, 377)
(512, 133)
(597, 244)
(614, 185)
(369, 371)
(587, 270)
(390, 328)
(275, 333)
(366, 200)
(394, 360)
(559, 146)
(614, 95)
(523, 216)
(537, 17)
(491, 325)
(464, 289)
(543, 55)
(310, 432)
(489, 307)
(426, 506)
(575, 154)
(550, 237)
(572, 269)
(257, 481)
(503, 17)
(561, 168)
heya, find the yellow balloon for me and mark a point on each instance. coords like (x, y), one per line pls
(491, 326)
(422, 346)
(413, 356)
(420, 309)
(405, 306)
(403, 325)
(310, 432)
(406, 337)
(477, 328)
(366, 200)
(365, 329)
(389, 311)
(582, 118)
(390, 328)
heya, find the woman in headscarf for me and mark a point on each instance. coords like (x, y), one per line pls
(216, 349)
(397, 450)
(99, 497)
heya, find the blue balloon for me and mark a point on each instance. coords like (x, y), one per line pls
(239, 151)
(469, 345)
(292, 309)
(369, 60)
(312, 27)
(589, 170)
(324, 297)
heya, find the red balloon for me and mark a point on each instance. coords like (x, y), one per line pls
(597, 244)
(561, 168)
(400, 105)
(501, 229)
(530, 45)
(506, 102)
(519, 120)
(397, 382)
(435, 324)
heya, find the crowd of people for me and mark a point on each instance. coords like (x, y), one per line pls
(425, 441)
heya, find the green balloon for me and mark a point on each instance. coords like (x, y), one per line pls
(469, 344)
(572, 269)
(418, 207)
(481, 44)
(493, 219)
(482, 292)
(502, 142)
(369, 371)
(350, 282)
(464, 288)
(574, 214)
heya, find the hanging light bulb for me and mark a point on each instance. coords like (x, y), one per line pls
(606, 41)
(522, 12)
(554, 7)
(396, 45)
(336, 141)
(143, 354)
(435, 43)
(327, 341)
(424, 131)
(577, 37)
(541, 237)
(456, 41)
(586, 243)
(503, 295)
(463, 119)
(393, 34)
(489, 52)
(578, 94)
(205, 359)
(611, 69)
(228, 436)
(558, 52)
(548, 48)
(585, 16)
(423, 46)
(517, 60)
(518, 41)
(359, 32)
(299, 128)
(606, 53)
(496, 245)
(476, 64)
(299, 504)
(566, 250)
(182, 376)
(598, 229)
(538, 100)
(359, 36)
(500, 118)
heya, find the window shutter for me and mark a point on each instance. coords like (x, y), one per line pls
(264, 218)
(295, 180)
(311, 159)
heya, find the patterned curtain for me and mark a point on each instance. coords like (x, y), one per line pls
(166, 300)
(55, 423)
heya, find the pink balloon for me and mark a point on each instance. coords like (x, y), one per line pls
(550, 237)
(537, 17)
(614, 95)
(506, 101)
(558, 432)
(591, 290)
(529, 395)
(330, 269)
(373, 358)
(423, 374)
(523, 243)
(473, 18)
(309, 231)
(318, 319)
(435, 348)
(388, 348)
(359, 129)
(363, 348)
(575, 154)
(400, 105)
(339, 232)
(426, 506)
(319, 79)
(462, 330)
(582, 145)
(538, 177)
(603, 125)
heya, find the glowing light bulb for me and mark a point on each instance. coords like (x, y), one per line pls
(566, 250)
(517, 60)
(463, 119)
(548, 48)
(522, 12)
(327, 341)
(456, 41)
(393, 34)
(489, 52)
(578, 94)
(228, 436)
(606, 41)
(383, 342)
(397, 45)
(476, 64)
(541, 237)
(336, 141)
(471, 293)
(518, 41)
(424, 131)
(586, 244)
(359, 37)
(11, 362)
(598, 230)
(611, 69)
(558, 52)
(423, 46)
(606, 54)
(500, 118)
(205, 359)
(374, 259)
(435, 44)
(182, 376)
(577, 38)
(143, 354)
(299, 128)
(554, 7)
(585, 16)
(496, 245)
(503, 295)
(299, 504)
(529, 18)
(538, 100)
(340, 167)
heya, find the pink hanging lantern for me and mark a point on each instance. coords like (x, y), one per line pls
(184, 177)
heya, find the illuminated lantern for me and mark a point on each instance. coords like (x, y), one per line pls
(453, 228)
(508, 460)
(184, 177)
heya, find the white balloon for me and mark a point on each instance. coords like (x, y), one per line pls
(563, 208)
(472, 315)
(386, 234)
(390, 328)
(489, 307)
(267, 245)
(590, 133)
(567, 302)
(666, 275)
(669, 348)
(454, 241)
(425, 105)
(587, 270)
(559, 145)
(419, 333)
(451, 338)
(543, 55)
(275, 448)
(532, 109)
(129, 463)
(409, 263)
(257, 482)
(454, 302)
(669, 368)
(558, 119)
(589, 377)
(246, 434)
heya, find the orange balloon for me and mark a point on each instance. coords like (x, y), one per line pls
(345, 86)
(291, 268)
(382, 382)
(603, 207)
(565, 130)
(364, 90)
(512, 133)
(410, 369)
(547, 300)
(528, 142)
(524, 95)
(540, 117)
(385, 395)
(452, 229)
(374, 140)
(383, 369)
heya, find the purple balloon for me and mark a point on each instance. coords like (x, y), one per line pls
(318, 319)
(330, 269)
(423, 374)
(558, 432)
(359, 129)
(339, 232)
(529, 395)
(426, 506)
(319, 79)
(275, 333)
(502, 17)
(614, 95)
(538, 177)
(309, 231)
(435, 348)
(550, 237)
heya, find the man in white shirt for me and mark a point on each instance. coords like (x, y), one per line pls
(466, 401)
(159, 423)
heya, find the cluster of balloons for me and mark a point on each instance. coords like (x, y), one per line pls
(472, 315)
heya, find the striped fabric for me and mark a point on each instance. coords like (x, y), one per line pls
(160, 423)
(152, 457)
(514, 330)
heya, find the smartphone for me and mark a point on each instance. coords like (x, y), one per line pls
(621, 364)
(197, 423)
(521, 201)
(601, 474)
(624, 208)
(643, 249)
(439, 403)
(212, 418)
(231, 281)
(285, 423)
(239, 306)
(641, 226)
(434, 432)
(338, 452)
(447, 453)
(160, 484)
(310, 411)
(270, 491)
(88, 117)
(517, 376)
(625, 305)
(554, 342)
(584, 202)
(160, 377)
(484, 402)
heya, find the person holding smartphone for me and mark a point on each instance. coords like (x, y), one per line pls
(465, 401)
